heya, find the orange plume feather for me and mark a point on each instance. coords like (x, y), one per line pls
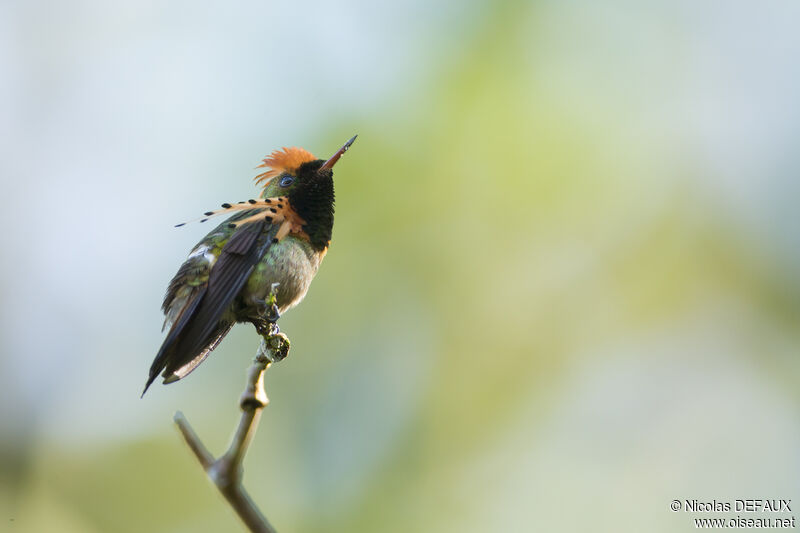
(280, 161)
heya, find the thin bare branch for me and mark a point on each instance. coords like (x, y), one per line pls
(226, 472)
(191, 438)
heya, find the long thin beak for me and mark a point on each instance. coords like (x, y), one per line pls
(332, 161)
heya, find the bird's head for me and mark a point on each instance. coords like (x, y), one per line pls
(294, 170)
(307, 182)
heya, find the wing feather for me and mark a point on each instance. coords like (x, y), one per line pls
(205, 318)
(227, 277)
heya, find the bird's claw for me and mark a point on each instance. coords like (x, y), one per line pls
(267, 311)
(267, 317)
(274, 344)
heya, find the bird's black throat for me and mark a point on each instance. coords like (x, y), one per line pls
(312, 199)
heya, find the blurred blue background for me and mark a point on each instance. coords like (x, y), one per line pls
(562, 289)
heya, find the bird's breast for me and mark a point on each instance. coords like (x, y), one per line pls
(292, 263)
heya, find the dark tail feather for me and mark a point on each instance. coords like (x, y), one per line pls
(176, 365)
(158, 363)
(150, 381)
(180, 367)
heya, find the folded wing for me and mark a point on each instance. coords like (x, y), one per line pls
(204, 315)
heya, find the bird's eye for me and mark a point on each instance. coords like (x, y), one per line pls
(286, 181)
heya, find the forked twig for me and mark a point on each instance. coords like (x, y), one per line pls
(226, 472)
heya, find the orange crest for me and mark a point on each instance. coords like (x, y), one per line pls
(280, 161)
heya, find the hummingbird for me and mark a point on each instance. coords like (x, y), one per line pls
(279, 238)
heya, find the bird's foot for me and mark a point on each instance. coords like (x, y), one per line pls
(267, 313)
(274, 344)
(265, 327)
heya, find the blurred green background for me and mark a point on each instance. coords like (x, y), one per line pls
(562, 289)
